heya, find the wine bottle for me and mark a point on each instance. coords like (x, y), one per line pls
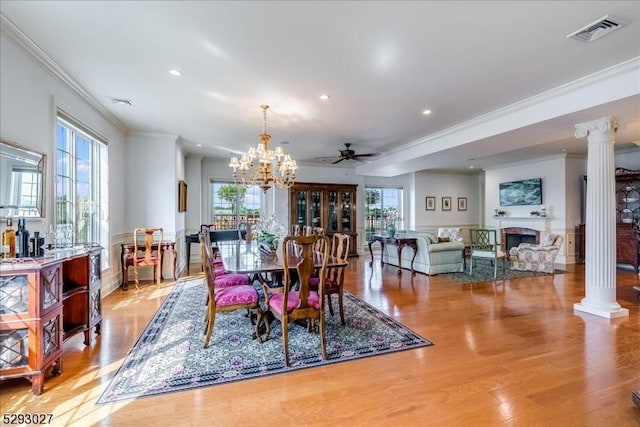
(9, 241)
(22, 240)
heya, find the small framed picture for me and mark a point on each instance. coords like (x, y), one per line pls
(462, 203)
(446, 203)
(430, 203)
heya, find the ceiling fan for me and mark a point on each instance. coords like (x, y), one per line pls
(348, 154)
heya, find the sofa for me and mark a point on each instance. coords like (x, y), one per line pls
(433, 256)
(536, 257)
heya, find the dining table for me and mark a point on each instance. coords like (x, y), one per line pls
(266, 266)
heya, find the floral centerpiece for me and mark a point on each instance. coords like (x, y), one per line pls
(391, 220)
(269, 231)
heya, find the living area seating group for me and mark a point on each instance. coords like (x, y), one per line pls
(444, 250)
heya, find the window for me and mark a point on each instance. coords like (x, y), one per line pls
(233, 203)
(24, 189)
(81, 185)
(382, 205)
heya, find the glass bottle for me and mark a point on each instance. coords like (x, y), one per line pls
(22, 240)
(50, 238)
(9, 241)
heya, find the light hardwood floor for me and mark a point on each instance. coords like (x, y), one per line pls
(505, 353)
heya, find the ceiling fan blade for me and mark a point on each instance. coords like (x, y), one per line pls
(367, 155)
(338, 161)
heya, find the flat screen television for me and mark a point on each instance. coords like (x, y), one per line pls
(519, 193)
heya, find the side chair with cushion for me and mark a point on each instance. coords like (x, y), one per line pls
(292, 305)
(484, 246)
(147, 251)
(228, 298)
(534, 257)
(223, 278)
(334, 282)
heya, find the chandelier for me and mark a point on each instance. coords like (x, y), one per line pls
(262, 166)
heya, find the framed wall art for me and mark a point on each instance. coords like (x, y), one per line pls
(462, 203)
(446, 203)
(182, 196)
(430, 203)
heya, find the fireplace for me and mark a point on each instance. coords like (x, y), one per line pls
(513, 236)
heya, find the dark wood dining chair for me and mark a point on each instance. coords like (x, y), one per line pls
(292, 305)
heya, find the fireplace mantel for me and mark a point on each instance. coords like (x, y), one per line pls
(534, 222)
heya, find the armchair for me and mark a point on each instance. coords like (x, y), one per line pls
(533, 257)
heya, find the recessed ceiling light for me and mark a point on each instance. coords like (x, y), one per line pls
(175, 72)
(324, 97)
(471, 167)
(426, 112)
(198, 145)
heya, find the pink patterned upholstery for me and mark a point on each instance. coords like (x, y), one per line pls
(220, 271)
(275, 302)
(236, 295)
(144, 261)
(231, 280)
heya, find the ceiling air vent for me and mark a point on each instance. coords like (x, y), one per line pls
(599, 28)
(121, 101)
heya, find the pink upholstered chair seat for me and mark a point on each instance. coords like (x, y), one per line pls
(275, 302)
(236, 295)
(220, 271)
(142, 260)
(231, 279)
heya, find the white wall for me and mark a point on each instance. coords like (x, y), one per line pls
(441, 185)
(29, 96)
(151, 193)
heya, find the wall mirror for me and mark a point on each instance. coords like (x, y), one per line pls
(22, 181)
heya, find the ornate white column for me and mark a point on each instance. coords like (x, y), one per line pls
(600, 258)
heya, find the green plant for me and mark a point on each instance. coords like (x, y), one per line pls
(534, 213)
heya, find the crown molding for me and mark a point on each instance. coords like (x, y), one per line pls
(630, 65)
(11, 31)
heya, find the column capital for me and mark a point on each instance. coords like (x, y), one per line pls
(602, 125)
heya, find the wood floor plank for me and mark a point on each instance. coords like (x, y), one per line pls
(506, 353)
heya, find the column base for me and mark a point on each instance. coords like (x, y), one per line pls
(598, 311)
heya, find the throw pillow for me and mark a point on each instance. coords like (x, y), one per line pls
(548, 240)
(443, 239)
(453, 234)
(431, 238)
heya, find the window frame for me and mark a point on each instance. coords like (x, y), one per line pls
(84, 214)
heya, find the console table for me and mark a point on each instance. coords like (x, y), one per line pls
(399, 242)
(126, 259)
(189, 239)
(43, 302)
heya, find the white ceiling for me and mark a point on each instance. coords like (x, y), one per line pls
(381, 62)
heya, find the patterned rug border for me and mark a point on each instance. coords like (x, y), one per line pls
(153, 331)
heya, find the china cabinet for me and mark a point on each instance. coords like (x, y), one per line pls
(328, 206)
(627, 199)
(43, 302)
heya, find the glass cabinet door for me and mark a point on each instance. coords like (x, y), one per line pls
(345, 208)
(301, 207)
(316, 208)
(333, 211)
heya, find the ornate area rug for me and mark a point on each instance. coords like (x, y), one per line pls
(169, 357)
(483, 272)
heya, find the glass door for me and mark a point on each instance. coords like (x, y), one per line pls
(316, 208)
(333, 211)
(301, 208)
(345, 209)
